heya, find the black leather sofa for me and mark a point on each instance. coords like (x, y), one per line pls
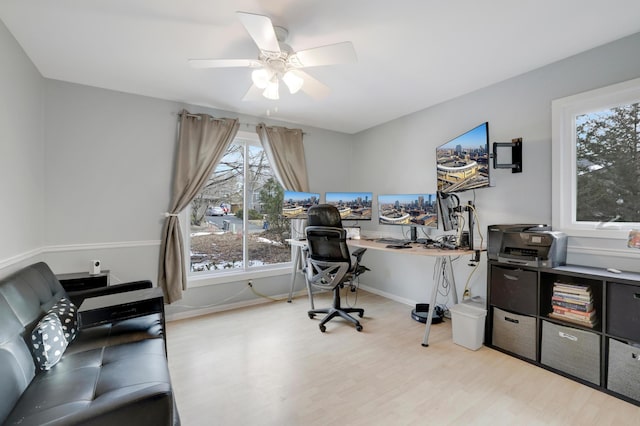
(113, 374)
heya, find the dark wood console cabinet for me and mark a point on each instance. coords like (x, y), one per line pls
(605, 356)
(83, 280)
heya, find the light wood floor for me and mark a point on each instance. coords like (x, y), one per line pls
(271, 365)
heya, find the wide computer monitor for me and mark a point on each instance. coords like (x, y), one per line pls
(463, 162)
(414, 210)
(351, 205)
(295, 204)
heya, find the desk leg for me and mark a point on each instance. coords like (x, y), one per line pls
(297, 267)
(432, 307)
(294, 269)
(434, 294)
(454, 290)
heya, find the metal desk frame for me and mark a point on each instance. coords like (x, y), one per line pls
(373, 245)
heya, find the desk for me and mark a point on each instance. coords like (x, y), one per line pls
(298, 266)
(418, 250)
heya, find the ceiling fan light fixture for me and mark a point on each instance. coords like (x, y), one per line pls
(293, 81)
(278, 61)
(272, 89)
(261, 77)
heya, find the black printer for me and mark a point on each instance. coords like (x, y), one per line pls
(527, 245)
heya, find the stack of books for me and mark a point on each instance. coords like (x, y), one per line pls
(573, 303)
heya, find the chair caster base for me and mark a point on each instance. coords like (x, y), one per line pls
(333, 313)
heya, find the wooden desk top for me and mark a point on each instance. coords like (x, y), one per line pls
(415, 249)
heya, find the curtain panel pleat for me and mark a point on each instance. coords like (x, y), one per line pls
(285, 152)
(202, 142)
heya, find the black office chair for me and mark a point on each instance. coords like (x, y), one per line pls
(327, 264)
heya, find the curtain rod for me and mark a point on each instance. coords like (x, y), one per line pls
(180, 114)
(247, 125)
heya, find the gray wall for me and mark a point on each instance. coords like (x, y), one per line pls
(22, 156)
(85, 172)
(518, 107)
(107, 184)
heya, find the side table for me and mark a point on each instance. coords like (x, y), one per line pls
(106, 309)
(83, 280)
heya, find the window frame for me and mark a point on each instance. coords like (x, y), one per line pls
(563, 158)
(198, 279)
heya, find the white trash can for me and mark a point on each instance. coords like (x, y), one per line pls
(467, 324)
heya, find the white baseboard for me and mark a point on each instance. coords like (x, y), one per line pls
(386, 295)
(205, 310)
(191, 313)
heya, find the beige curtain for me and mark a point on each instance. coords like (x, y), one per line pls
(285, 151)
(202, 142)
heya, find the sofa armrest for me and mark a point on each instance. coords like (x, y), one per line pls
(77, 297)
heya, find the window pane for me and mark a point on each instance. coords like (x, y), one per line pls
(267, 229)
(608, 165)
(216, 216)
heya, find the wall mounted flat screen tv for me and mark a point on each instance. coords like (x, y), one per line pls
(408, 209)
(296, 204)
(463, 162)
(351, 205)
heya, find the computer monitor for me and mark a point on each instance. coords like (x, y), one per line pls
(414, 210)
(295, 204)
(463, 162)
(351, 205)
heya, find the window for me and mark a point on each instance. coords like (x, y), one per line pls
(235, 221)
(596, 162)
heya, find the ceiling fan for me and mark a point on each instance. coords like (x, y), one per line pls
(279, 62)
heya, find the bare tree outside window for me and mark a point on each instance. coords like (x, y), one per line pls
(608, 165)
(243, 180)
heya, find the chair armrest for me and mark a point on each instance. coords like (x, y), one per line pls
(357, 253)
(77, 297)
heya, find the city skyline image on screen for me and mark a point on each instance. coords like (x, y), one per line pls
(296, 204)
(351, 205)
(463, 162)
(408, 209)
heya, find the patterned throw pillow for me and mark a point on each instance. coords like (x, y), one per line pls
(48, 341)
(68, 314)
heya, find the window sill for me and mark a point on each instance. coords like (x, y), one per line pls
(606, 231)
(204, 279)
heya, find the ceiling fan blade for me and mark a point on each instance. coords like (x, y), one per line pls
(224, 63)
(339, 53)
(253, 94)
(312, 87)
(260, 28)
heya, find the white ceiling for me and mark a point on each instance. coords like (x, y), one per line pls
(412, 54)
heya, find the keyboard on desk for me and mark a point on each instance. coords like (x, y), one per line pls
(394, 241)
